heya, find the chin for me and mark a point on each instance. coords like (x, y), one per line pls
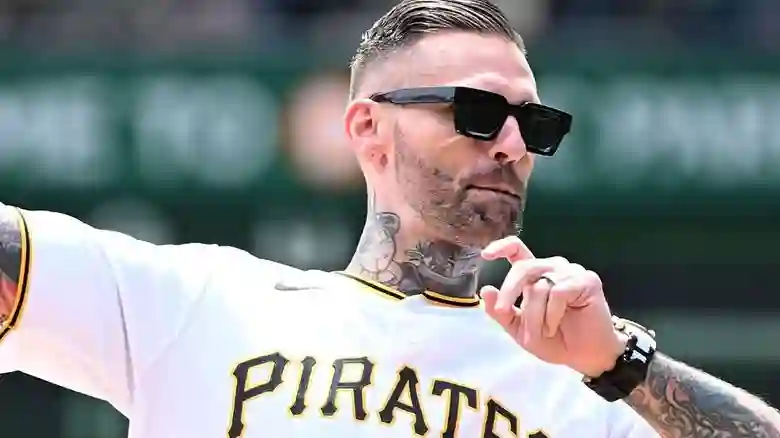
(495, 233)
(495, 221)
(477, 224)
(480, 232)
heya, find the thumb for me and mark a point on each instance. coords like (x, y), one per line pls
(489, 296)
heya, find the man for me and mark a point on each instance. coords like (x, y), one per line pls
(203, 341)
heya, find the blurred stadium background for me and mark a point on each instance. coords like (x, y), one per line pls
(219, 121)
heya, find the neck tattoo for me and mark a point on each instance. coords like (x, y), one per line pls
(434, 265)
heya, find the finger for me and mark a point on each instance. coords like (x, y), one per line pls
(489, 296)
(557, 304)
(533, 311)
(510, 248)
(523, 274)
(589, 288)
(567, 286)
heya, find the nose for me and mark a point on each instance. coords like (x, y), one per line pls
(509, 145)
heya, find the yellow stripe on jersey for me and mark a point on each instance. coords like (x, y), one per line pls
(22, 284)
(452, 301)
(434, 297)
(374, 286)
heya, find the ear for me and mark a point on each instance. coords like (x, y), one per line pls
(361, 124)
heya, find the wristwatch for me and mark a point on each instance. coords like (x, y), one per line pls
(631, 367)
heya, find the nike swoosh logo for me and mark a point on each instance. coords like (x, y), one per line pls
(287, 287)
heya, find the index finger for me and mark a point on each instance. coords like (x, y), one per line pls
(510, 248)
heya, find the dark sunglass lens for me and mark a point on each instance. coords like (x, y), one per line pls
(479, 114)
(543, 128)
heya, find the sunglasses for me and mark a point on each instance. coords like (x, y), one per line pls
(481, 115)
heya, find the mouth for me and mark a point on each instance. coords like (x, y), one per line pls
(498, 190)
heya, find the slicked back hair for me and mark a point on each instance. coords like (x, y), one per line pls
(410, 20)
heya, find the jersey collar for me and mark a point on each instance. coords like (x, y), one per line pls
(434, 297)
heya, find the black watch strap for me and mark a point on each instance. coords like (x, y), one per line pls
(631, 367)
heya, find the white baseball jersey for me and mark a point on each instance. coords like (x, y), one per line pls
(207, 341)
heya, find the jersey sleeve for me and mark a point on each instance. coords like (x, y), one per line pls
(96, 308)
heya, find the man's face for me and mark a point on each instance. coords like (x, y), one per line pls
(466, 190)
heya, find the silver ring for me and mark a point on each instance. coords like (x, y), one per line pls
(549, 280)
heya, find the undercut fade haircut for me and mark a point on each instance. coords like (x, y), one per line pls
(410, 20)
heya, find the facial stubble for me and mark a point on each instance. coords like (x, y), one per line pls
(444, 203)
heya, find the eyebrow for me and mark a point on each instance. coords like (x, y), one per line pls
(513, 95)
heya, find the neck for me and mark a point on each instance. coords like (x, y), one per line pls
(392, 253)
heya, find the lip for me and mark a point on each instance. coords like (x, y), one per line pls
(502, 190)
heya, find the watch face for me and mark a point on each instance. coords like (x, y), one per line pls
(643, 345)
(628, 326)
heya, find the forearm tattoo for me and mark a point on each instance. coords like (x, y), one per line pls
(11, 259)
(681, 402)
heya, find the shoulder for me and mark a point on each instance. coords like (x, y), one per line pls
(236, 272)
(240, 264)
(260, 293)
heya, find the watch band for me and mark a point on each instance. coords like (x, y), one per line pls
(631, 367)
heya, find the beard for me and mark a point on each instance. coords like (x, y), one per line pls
(452, 207)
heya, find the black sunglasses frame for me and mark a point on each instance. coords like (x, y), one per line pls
(542, 127)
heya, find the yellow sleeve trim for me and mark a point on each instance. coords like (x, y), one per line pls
(22, 285)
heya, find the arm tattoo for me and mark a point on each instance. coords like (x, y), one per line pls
(681, 402)
(10, 262)
(437, 266)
